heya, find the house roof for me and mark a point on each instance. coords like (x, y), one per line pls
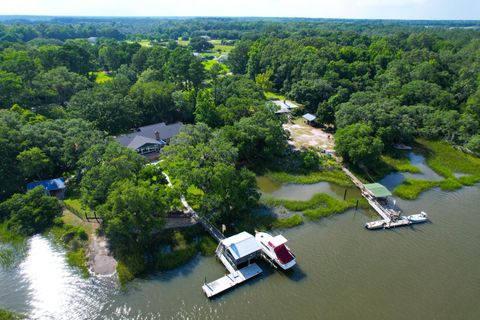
(378, 190)
(284, 105)
(140, 141)
(50, 185)
(241, 245)
(309, 117)
(148, 132)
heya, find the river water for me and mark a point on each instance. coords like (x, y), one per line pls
(429, 271)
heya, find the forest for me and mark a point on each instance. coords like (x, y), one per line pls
(67, 85)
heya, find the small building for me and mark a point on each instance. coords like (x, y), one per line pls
(54, 187)
(378, 191)
(149, 140)
(309, 118)
(240, 248)
(284, 106)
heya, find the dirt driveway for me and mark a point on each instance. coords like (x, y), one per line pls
(303, 135)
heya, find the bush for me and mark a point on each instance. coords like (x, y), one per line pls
(124, 274)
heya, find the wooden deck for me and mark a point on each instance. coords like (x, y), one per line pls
(230, 280)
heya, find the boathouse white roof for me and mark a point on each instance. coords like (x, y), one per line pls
(241, 245)
(309, 117)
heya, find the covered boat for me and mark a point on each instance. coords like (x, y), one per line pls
(276, 249)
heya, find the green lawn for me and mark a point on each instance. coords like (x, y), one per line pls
(210, 63)
(274, 96)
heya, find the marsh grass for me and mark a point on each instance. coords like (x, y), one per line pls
(10, 315)
(411, 188)
(207, 246)
(445, 160)
(320, 205)
(75, 240)
(290, 222)
(334, 176)
(399, 164)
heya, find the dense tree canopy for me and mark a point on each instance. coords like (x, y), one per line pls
(29, 213)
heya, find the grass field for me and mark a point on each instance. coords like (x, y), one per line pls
(210, 63)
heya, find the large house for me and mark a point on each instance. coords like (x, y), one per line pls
(150, 139)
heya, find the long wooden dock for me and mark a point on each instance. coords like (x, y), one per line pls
(391, 218)
(385, 213)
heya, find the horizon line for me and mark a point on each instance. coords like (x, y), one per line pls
(232, 17)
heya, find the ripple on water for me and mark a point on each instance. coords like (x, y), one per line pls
(52, 288)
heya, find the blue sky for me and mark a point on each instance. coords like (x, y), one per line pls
(370, 9)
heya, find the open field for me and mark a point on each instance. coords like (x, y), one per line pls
(303, 135)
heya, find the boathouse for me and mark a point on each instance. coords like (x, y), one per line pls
(378, 191)
(240, 248)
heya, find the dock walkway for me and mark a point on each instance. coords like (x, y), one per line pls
(390, 217)
(235, 276)
(210, 228)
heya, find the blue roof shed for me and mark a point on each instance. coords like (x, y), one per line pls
(49, 185)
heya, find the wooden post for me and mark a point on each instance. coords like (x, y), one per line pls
(356, 206)
(345, 194)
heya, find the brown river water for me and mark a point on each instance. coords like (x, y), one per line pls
(429, 271)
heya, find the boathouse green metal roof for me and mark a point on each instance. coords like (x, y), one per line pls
(378, 190)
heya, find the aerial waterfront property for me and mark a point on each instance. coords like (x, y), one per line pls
(163, 164)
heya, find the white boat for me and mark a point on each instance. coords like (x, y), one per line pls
(418, 218)
(276, 249)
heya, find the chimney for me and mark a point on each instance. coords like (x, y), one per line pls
(157, 135)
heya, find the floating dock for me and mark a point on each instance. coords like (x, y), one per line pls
(230, 280)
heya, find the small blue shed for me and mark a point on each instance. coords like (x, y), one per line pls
(54, 187)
